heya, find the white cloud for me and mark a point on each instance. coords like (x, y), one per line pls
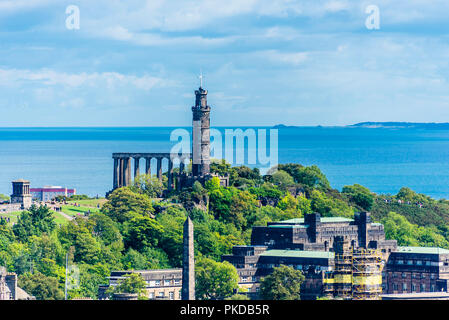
(47, 77)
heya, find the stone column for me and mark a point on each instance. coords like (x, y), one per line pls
(188, 263)
(170, 174)
(116, 173)
(121, 175)
(148, 166)
(127, 171)
(136, 167)
(159, 168)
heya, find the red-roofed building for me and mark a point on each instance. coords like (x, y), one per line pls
(48, 193)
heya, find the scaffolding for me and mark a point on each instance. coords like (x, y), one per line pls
(357, 275)
(366, 274)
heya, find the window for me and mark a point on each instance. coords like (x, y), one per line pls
(171, 295)
(423, 287)
(151, 295)
(413, 288)
(423, 275)
(432, 288)
(404, 275)
(419, 262)
(157, 282)
(166, 282)
(161, 294)
(244, 279)
(409, 262)
(399, 261)
(177, 282)
(395, 286)
(432, 276)
(404, 286)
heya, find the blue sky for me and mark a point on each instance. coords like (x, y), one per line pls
(265, 62)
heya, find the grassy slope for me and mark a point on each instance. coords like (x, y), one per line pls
(59, 219)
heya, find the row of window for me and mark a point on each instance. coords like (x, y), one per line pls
(165, 283)
(422, 287)
(414, 275)
(418, 262)
(161, 295)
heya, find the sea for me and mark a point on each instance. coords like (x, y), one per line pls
(382, 159)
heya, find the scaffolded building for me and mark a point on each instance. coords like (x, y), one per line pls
(357, 273)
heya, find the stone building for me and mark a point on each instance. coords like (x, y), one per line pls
(21, 193)
(162, 284)
(315, 233)
(255, 262)
(416, 270)
(9, 289)
(311, 245)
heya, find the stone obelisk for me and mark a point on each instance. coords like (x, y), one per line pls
(188, 263)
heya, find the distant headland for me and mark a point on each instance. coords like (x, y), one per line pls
(391, 125)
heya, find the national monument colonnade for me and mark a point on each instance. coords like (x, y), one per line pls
(122, 166)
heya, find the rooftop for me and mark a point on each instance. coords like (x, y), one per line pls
(323, 220)
(286, 226)
(424, 250)
(298, 254)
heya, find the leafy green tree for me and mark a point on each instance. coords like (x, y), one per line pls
(131, 283)
(215, 280)
(124, 204)
(360, 195)
(142, 232)
(212, 184)
(134, 260)
(220, 167)
(283, 284)
(149, 185)
(91, 276)
(282, 179)
(79, 234)
(308, 176)
(41, 286)
(172, 221)
(35, 221)
(105, 228)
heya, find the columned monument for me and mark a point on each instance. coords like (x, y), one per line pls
(200, 156)
(21, 193)
(188, 262)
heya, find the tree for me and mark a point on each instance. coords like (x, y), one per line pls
(149, 185)
(123, 204)
(282, 179)
(41, 286)
(35, 221)
(215, 280)
(283, 284)
(360, 195)
(308, 176)
(142, 232)
(131, 283)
